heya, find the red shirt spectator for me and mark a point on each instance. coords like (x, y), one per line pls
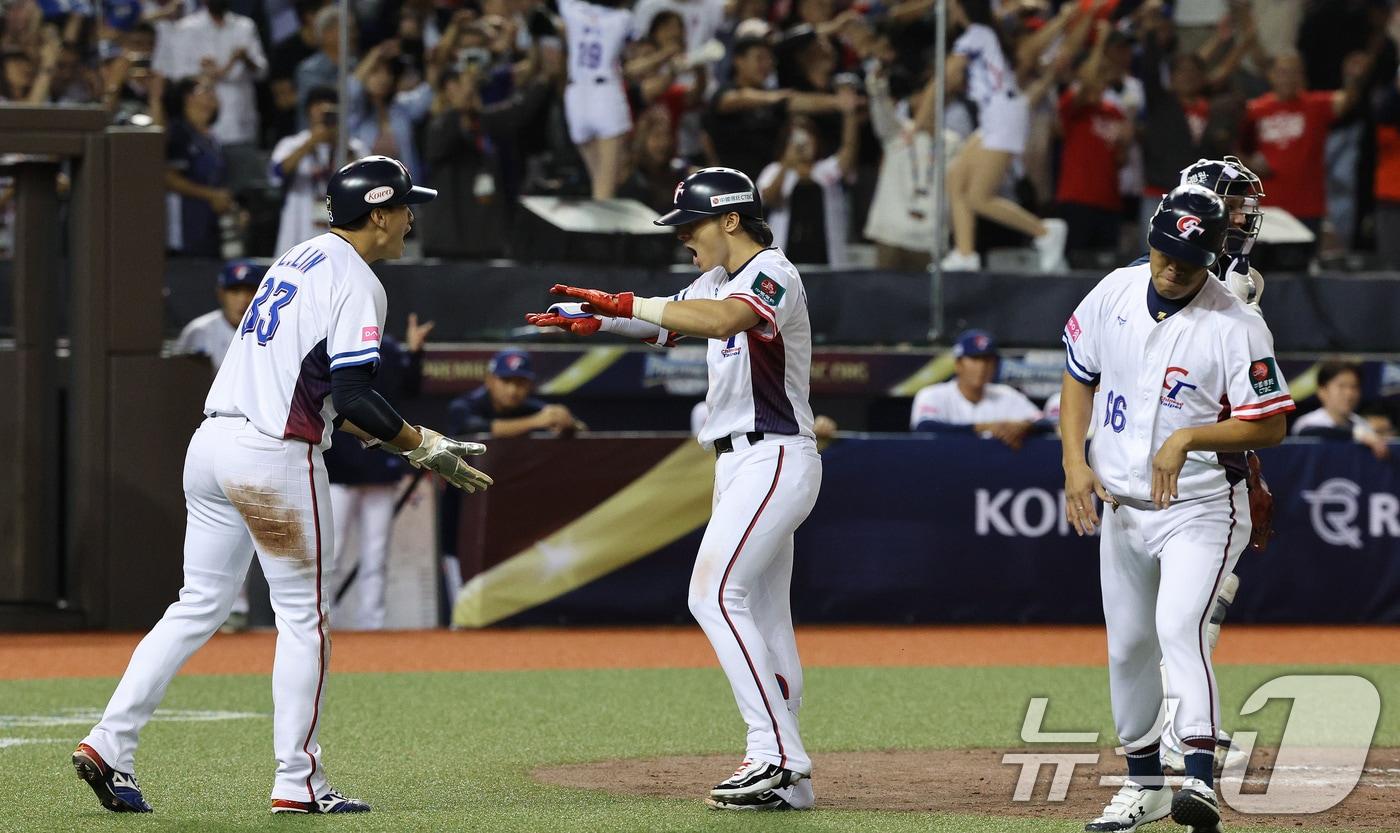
(1291, 135)
(1287, 130)
(1093, 133)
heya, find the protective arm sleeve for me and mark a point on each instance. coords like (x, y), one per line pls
(354, 399)
(636, 328)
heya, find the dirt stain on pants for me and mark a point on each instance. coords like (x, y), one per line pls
(276, 528)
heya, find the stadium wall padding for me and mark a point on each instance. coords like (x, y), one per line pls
(919, 530)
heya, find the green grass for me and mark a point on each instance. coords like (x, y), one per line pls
(453, 751)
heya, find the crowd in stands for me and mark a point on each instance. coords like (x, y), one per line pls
(1065, 120)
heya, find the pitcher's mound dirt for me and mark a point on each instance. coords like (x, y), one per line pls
(975, 781)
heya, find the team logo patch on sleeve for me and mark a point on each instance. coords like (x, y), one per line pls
(1073, 328)
(768, 290)
(370, 334)
(1263, 376)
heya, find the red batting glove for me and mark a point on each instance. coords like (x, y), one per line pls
(585, 326)
(598, 302)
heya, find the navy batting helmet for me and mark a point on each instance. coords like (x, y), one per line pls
(710, 192)
(1190, 225)
(370, 183)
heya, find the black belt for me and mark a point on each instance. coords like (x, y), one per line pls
(724, 445)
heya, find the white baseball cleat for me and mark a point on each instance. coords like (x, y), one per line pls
(753, 777)
(1196, 807)
(1131, 808)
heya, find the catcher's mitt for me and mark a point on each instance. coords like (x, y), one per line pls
(1261, 503)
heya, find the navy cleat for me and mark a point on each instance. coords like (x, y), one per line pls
(1195, 806)
(118, 791)
(331, 802)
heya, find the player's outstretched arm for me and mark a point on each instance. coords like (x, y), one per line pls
(702, 318)
(1081, 484)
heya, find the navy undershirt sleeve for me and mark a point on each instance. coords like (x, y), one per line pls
(356, 401)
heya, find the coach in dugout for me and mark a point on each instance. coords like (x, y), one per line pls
(505, 407)
(971, 401)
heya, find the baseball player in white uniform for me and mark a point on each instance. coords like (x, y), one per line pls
(595, 101)
(1241, 191)
(751, 305)
(302, 365)
(1189, 383)
(211, 333)
(972, 402)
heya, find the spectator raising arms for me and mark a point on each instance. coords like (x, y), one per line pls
(1096, 135)
(595, 102)
(901, 212)
(745, 114)
(980, 167)
(1339, 391)
(24, 83)
(302, 165)
(1286, 129)
(804, 196)
(381, 116)
(222, 48)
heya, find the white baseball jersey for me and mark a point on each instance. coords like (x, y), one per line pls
(760, 379)
(596, 35)
(319, 308)
(988, 74)
(208, 335)
(943, 402)
(1212, 360)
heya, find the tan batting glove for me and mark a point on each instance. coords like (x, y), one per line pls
(443, 456)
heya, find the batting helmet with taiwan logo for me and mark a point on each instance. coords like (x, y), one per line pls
(1190, 225)
(710, 192)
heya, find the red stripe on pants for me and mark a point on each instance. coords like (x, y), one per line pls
(320, 627)
(732, 559)
(1210, 605)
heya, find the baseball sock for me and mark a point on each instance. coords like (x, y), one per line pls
(1200, 758)
(1201, 765)
(1145, 767)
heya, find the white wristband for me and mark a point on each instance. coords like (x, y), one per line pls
(649, 309)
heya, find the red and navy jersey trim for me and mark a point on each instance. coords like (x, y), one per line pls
(304, 421)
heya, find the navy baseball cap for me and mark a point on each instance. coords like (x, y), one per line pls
(512, 364)
(241, 273)
(972, 343)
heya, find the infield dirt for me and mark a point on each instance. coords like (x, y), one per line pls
(974, 781)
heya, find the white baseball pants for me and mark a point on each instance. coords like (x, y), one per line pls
(740, 589)
(242, 488)
(368, 509)
(1160, 572)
